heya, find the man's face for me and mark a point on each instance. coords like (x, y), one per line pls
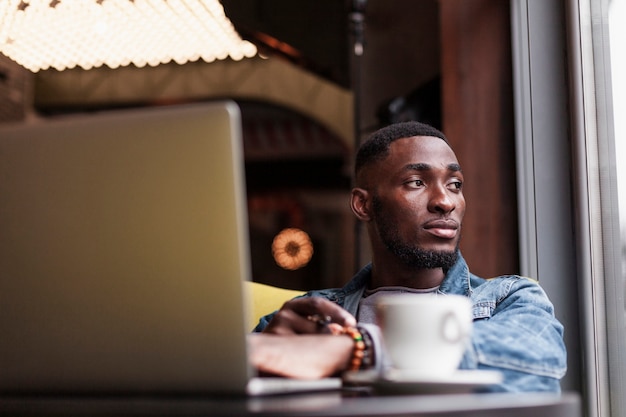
(418, 203)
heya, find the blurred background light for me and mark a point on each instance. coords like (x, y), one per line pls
(60, 34)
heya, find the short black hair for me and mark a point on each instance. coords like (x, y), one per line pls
(376, 146)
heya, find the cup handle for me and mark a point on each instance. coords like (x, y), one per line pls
(451, 329)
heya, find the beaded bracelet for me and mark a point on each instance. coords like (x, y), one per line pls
(358, 353)
(368, 357)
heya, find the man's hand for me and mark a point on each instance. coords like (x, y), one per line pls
(308, 315)
(299, 356)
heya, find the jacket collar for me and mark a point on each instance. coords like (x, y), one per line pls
(457, 279)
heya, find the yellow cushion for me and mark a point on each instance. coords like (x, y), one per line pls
(267, 299)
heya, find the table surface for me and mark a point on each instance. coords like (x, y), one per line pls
(337, 403)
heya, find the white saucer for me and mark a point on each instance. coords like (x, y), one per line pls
(397, 381)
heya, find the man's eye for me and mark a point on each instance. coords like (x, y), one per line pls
(416, 183)
(457, 185)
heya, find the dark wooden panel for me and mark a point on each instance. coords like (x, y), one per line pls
(478, 119)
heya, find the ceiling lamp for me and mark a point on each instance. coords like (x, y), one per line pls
(60, 34)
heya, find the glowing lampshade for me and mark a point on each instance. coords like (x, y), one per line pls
(60, 34)
(292, 248)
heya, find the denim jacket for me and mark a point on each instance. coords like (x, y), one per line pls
(514, 331)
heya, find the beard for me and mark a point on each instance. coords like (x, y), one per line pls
(409, 254)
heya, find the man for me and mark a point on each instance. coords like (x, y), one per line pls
(409, 193)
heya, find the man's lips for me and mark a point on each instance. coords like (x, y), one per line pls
(442, 228)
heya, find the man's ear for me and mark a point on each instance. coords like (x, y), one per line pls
(360, 204)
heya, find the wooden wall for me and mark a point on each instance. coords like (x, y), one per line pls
(477, 101)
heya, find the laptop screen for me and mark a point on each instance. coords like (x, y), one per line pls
(123, 249)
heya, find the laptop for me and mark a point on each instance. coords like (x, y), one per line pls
(123, 255)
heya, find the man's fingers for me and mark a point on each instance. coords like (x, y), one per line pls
(308, 315)
(317, 307)
(287, 321)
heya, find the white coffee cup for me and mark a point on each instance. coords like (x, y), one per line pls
(425, 334)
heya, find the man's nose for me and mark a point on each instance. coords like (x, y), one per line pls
(440, 200)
